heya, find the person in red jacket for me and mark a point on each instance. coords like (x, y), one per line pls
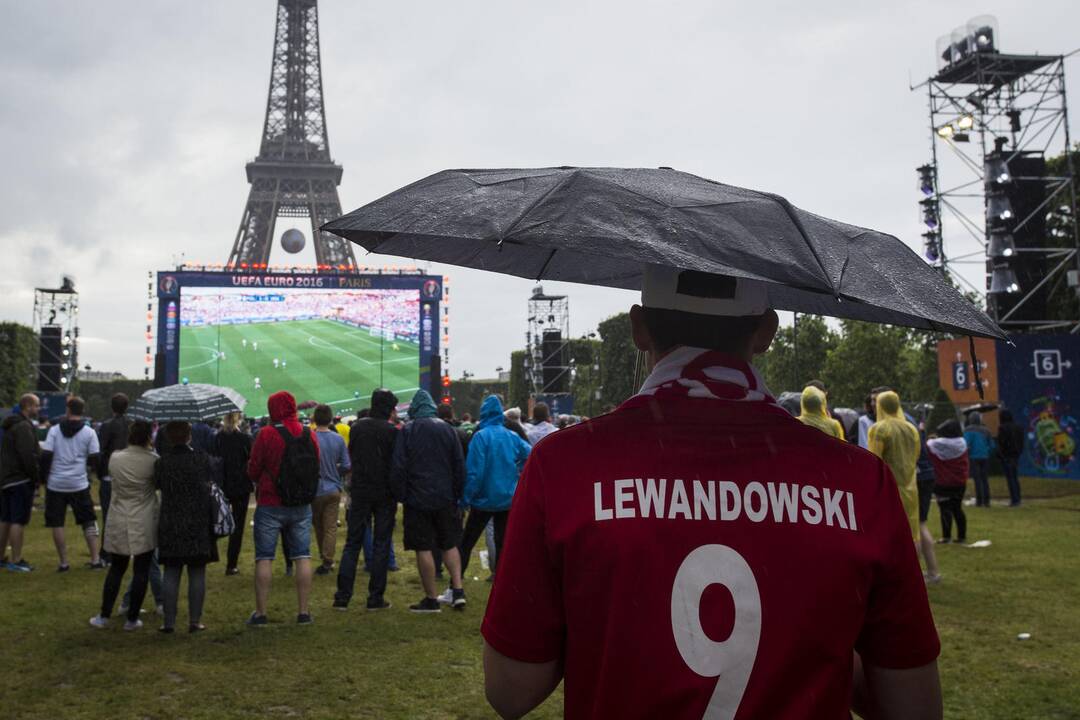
(699, 552)
(272, 518)
(949, 455)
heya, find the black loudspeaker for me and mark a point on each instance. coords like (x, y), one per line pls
(1026, 193)
(159, 370)
(435, 378)
(50, 357)
(555, 371)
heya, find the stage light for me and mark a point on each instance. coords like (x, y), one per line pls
(930, 213)
(63, 379)
(932, 246)
(1001, 245)
(946, 131)
(65, 352)
(1003, 281)
(64, 366)
(998, 207)
(966, 122)
(927, 175)
(67, 339)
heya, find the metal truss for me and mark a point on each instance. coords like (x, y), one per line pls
(56, 316)
(293, 175)
(548, 314)
(991, 107)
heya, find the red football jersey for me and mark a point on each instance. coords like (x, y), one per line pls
(692, 557)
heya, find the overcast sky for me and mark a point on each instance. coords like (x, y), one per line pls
(126, 125)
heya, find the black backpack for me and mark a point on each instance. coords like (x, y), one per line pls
(298, 474)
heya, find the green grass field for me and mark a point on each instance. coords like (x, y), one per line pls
(325, 361)
(399, 665)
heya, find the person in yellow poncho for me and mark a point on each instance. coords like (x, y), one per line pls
(815, 413)
(896, 441)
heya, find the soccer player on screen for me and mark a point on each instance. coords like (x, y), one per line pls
(699, 553)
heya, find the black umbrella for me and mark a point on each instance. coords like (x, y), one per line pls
(601, 226)
(191, 402)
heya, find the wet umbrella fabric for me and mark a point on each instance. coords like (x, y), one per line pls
(190, 402)
(601, 226)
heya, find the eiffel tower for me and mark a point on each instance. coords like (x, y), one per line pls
(293, 175)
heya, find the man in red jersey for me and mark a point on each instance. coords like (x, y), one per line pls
(699, 553)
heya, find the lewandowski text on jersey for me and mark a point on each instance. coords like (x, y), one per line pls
(723, 500)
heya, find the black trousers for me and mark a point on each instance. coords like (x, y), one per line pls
(951, 505)
(361, 512)
(239, 507)
(138, 584)
(474, 528)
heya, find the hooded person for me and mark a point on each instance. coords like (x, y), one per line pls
(371, 449)
(272, 517)
(896, 441)
(496, 457)
(621, 523)
(814, 412)
(428, 475)
(949, 455)
(981, 445)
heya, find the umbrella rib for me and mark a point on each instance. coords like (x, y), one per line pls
(524, 213)
(546, 263)
(789, 210)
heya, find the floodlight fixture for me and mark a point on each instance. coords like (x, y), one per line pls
(932, 245)
(930, 213)
(966, 122)
(946, 131)
(927, 178)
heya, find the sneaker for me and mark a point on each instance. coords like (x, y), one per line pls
(129, 625)
(459, 599)
(427, 605)
(943, 541)
(232, 571)
(99, 622)
(304, 619)
(341, 605)
(447, 598)
(381, 605)
(21, 566)
(257, 620)
(932, 579)
(99, 565)
(196, 628)
(166, 630)
(324, 569)
(63, 568)
(393, 568)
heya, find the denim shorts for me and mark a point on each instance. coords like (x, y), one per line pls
(292, 523)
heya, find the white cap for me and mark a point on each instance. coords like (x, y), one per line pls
(668, 288)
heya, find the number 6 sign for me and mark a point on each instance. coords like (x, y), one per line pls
(731, 660)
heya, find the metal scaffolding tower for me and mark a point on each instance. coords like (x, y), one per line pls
(56, 317)
(990, 196)
(547, 357)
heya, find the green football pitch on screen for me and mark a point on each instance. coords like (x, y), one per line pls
(321, 360)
